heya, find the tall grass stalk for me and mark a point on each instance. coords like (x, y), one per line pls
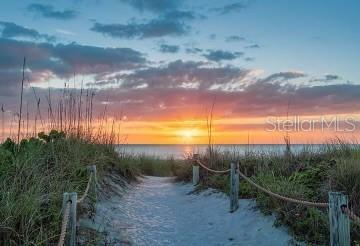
(21, 100)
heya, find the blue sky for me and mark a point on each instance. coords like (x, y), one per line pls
(318, 37)
(175, 55)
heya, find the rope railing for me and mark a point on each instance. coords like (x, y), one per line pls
(345, 209)
(288, 199)
(81, 199)
(212, 170)
(339, 212)
(64, 224)
(69, 210)
(281, 197)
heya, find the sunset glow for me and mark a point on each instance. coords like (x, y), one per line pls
(114, 114)
(187, 134)
(160, 70)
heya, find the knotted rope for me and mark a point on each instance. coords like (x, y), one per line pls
(64, 224)
(86, 190)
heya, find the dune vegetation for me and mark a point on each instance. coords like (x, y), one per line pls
(308, 175)
(35, 173)
(52, 158)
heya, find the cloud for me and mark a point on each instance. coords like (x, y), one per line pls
(164, 48)
(65, 32)
(230, 8)
(12, 30)
(193, 50)
(253, 46)
(257, 99)
(326, 78)
(182, 15)
(8, 81)
(90, 59)
(181, 74)
(249, 59)
(172, 23)
(47, 60)
(234, 38)
(177, 90)
(331, 77)
(283, 76)
(48, 11)
(152, 29)
(219, 55)
(157, 6)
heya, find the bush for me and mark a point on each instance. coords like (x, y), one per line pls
(9, 145)
(34, 177)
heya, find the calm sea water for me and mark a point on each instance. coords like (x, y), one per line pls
(181, 151)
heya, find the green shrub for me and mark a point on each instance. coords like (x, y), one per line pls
(9, 145)
(34, 177)
(312, 177)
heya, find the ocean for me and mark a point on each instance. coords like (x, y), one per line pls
(181, 151)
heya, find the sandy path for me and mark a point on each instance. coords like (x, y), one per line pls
(158, 211)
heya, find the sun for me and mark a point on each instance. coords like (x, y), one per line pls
(187, 133)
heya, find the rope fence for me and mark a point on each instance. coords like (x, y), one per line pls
(284, 198)
(339, 212)
(70, 202)
(64, 224)
(212, 170)
(86, 190)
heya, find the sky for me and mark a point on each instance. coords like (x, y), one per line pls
(165, 65)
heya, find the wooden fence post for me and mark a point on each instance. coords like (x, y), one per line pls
(196, 171)
(71, 228)
(72, 220)
(93, 185)
(339, 221)
(234, 187)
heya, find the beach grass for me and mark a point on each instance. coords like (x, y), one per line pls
(153, 165)
(309, 175)
(35, 173)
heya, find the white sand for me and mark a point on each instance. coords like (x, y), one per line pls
(158, 211)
